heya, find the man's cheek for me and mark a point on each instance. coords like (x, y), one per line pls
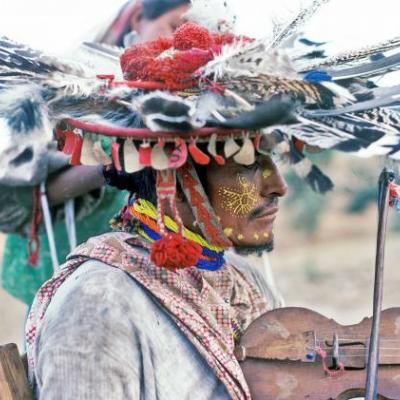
(238, 200)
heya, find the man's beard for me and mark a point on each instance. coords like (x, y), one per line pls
(256, 249)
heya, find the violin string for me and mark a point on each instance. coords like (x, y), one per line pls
(353, 339)
(330, 334)
(381, 361)
(359, 352)
(355, 348)
(363, 352)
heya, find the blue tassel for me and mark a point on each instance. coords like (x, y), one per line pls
(376, 57)
(317, 76)
(309, 42)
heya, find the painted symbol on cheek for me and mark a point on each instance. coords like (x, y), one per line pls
(240, 200)
(266, 235)
(228, 231)
(240, 237)
(266, 173)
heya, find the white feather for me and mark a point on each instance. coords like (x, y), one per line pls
(343, 95)
(250, 59)
(290, 29)
(216, 15)
(71, 85)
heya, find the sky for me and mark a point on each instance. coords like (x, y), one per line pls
(58, 25)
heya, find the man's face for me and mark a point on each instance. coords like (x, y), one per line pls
(165, 25)
(245, 198)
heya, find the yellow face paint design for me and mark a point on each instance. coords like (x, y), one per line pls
(228, 231)
(257, 236)
(266, 173)
(241, 200)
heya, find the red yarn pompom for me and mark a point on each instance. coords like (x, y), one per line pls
(135, 60)
(180, 68)
(192, 36)
(175, 252)
(174, 61)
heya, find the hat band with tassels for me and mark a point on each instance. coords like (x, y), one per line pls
(171, 248)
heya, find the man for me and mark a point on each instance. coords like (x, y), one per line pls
(94, 205)
(141, 331)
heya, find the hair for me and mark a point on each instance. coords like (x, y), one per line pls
(152, 9)
(142, 183)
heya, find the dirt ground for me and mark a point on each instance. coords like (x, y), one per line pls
(331, 272)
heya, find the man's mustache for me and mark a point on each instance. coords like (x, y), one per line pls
(271, 201)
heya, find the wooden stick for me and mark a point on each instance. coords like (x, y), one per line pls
(13, 380)
(371, 391)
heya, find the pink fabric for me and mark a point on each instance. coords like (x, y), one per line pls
(206, 306)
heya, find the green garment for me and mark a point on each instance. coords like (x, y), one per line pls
(23, 280)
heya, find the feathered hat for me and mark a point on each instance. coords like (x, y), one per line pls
(159, 100)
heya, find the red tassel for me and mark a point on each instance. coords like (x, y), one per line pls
(299, 144)
(34, 239)
(198, 156)
(219, 159)
(77, 150)
(394, 190)
(69, 143)
(115, 156)
(257, 141)
(145, 154)
(175, 252)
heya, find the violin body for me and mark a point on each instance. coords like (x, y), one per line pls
(294, 354)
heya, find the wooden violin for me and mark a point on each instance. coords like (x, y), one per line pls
(295, 353)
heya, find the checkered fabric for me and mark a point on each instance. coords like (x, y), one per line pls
(206, 306)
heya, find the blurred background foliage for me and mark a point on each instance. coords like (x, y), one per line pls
(309, 207)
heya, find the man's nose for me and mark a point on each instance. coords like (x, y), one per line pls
(274, 184)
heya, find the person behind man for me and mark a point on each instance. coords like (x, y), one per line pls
(94, 204)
